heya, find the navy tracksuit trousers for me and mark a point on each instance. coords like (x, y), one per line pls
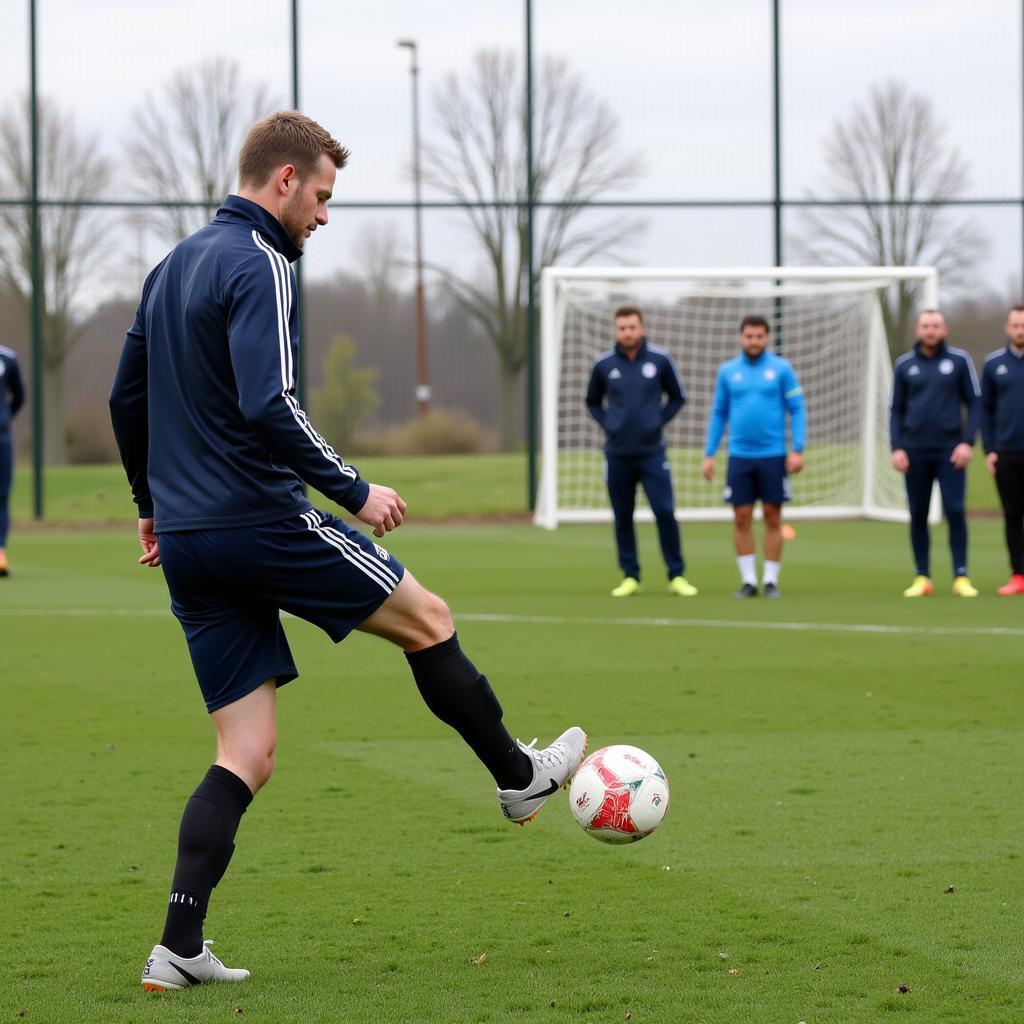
(6, 471)
(1010, 482)
(927, 466)
(624, 472)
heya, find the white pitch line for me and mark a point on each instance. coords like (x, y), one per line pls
(828, 627)
(85, 613)
(570, 620)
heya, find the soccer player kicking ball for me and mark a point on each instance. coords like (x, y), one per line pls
(933, 419)
(1002, 433)
(215, 446)
(753, 394)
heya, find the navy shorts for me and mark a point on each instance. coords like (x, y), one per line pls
(750, 480)
(229, 586)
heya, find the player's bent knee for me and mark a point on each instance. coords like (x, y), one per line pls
(434, 622)
(412, 617)
(252, 759)
(256, 768)
(441, 615)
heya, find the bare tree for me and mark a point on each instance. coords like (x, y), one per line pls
(72, 240)
(893, 150)
(375, 246)
(185, 141)
(481, 160)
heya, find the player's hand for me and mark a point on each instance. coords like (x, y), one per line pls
(961, 455)
(992, 460)
(708, 467)
(384, 510)
(900, 461)
(794, 462)
(150, 545)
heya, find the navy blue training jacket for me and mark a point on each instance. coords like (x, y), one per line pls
(624, 396)
(203, 405)
(1002, 401)
(12, 393)
(929, 396)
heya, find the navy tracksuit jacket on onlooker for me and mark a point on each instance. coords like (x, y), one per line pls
(1002, 432)
(935, 406)
(625, 396)
(12, 397)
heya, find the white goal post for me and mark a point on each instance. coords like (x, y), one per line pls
(826, 321)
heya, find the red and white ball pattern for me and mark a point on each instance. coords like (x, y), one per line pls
(619, 794)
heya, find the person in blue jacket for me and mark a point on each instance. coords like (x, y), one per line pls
(933, 420)
(1002, 434)
(12, 397)
(216, 447)
(753, 393)
(634, 390)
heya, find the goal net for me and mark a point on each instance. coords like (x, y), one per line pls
(827, 322)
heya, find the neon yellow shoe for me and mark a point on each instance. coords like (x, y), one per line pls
(681, 586)
(921, 587)
(962, 587)
(627, 588)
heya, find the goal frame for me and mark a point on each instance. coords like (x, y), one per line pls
(553, 286)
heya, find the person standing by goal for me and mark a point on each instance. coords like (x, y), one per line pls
(12, 397)
(753, 394)
(933, 420)
(634, 390)
(216, 446)
(1002, 434)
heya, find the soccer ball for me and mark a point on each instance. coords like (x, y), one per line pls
(619, 794)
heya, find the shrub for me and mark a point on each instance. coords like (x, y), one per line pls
(439, 432)
(90, 439)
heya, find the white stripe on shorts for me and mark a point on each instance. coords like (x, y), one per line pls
(359, 552)
(384, 577)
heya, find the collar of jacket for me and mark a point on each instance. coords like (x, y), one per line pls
(237, 210)
(754, 360)
(640, 349)
(940, 351)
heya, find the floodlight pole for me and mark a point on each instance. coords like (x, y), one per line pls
(301, 361)
(422, 380)
(531, 290)
(36, 249)
(776, 133)
(777, 162)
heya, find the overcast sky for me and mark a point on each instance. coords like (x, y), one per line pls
(689, 81)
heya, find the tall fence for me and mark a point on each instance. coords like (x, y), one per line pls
(713, 141)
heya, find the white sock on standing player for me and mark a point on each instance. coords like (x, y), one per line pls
(748, 568)
(771, 572)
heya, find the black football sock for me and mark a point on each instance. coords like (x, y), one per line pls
(206, 841)
(462, 698)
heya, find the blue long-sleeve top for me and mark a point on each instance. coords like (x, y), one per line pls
(626, 397)
(203, 405)
(1002, 401)
(752, 398)
(12, 392)
(936, 400)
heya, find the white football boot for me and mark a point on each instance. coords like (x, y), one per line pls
(553, 768)
(165, 971)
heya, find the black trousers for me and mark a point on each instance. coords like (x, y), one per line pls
(1010, 482)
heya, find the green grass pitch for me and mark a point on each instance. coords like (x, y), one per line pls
(846, 795)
